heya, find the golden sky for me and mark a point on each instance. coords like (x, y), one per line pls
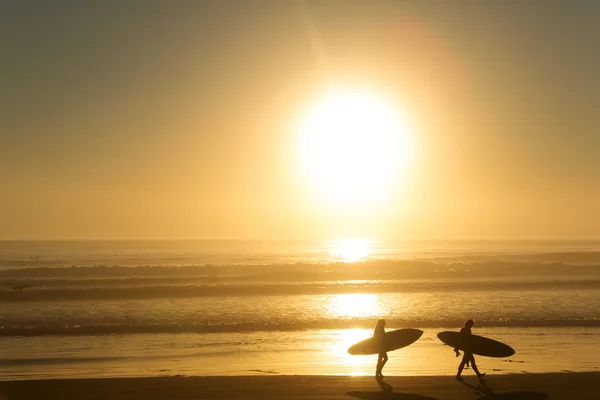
(181, 119)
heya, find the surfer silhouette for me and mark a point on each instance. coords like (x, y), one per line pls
(467, 357)
(379, 336)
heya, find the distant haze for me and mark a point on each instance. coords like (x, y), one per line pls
(175, 119)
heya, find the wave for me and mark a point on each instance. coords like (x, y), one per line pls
(380, 269)
(278, 289)
(7, 331)
(56, 360)
(566, 257)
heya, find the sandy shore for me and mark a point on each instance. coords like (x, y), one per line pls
(506, 387)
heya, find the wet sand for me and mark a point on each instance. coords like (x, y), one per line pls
(507, 387)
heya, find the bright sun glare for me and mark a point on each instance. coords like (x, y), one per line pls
(353, 146)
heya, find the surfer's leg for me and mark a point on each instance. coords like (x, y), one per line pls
(474, 366)
(460, 369)
(461, 366)
(383, 361)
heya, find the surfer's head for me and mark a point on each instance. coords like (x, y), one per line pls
(469, 323)
(380, 324)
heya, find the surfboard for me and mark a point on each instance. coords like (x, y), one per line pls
(476, 344)
(393, 340)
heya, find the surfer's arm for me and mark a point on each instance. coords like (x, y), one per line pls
(457, 352)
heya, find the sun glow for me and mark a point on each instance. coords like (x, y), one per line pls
(353, 146)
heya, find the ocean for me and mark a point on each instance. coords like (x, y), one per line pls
(192, 307)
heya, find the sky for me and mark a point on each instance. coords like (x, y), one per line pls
(154, 119)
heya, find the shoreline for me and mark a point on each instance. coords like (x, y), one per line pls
(310, 352)
(555, 386)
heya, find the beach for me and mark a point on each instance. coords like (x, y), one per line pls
(557, 386)
(143, 309)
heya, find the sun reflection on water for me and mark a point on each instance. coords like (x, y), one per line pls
(353, 305)
(350, 249)
(347, 338)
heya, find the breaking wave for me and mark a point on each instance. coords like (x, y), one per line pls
(278, 289)
(121, 282)
(255, 327)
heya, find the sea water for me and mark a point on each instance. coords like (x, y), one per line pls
(151, 308)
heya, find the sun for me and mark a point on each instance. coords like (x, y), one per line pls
(353, 146)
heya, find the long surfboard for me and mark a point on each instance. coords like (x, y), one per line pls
(476, 344)
(393, 340)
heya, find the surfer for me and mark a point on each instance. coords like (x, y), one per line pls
(379, 335)
(467, 357)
